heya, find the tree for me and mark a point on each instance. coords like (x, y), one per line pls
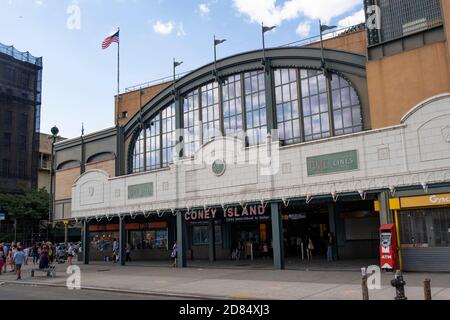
(27, 208)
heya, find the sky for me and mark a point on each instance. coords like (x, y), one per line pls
(80, 79)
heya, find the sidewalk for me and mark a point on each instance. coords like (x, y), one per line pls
(237, 283)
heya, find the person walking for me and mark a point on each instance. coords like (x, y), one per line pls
(310, 249)
(116, 251)
(330, 245)
(5, 256)
(70, 253)
(2, 258)
(35, 254)
(128, 253)
(174, 255)
(18, 260)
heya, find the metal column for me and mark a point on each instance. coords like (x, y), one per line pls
(212, 241)
(181, 241)
(122, 240)
(85, 242)
(386, 216)
(277, 234)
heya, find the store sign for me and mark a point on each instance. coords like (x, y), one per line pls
(425, 201)
(333, 163)
(195, 215)
(235, 214)
(140, 191)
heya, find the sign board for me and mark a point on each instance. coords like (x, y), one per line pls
(426, 201)
(333, 163)
(140, 191)
(2, 216)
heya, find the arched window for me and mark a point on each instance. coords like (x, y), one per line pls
(304, 110)
(154, 144)
(232, 105)
(255, 106)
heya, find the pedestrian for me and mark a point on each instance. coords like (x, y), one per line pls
(174, 255)
(35, 254)
(2, 258)
(5, 256)
(310, 249)
(116, 251)
(26, 252)
(70, 253)
(12, 252)
(128, 253)
(330, 244)
(18, 259)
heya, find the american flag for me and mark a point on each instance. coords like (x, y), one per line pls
(107, 42)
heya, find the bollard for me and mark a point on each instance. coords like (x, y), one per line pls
(427, 289)
(399, 284)
(365, 289)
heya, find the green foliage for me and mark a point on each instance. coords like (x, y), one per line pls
(28, 204)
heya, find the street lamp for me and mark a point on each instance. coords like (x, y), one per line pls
(55, 132)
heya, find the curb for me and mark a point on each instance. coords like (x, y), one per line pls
(135, 292)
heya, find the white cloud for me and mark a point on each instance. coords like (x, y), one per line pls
(270, 13)
(204, 8)
(304, 29)
(163, 28)
(356, 18)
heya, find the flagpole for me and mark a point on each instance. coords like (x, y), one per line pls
(118, 76)
(321, 45)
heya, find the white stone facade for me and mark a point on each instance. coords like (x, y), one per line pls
(416, 152)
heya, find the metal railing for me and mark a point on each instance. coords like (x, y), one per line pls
(21, 56)
(299, 43)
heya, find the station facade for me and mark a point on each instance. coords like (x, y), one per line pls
(268, 157)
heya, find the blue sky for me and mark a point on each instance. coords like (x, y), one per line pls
(79, 79)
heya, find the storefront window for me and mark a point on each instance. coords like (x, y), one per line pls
(149, 240)
(103, 241)
(200, 235)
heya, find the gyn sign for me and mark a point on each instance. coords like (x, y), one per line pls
(439, 200)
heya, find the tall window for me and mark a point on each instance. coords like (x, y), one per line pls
(255, 103)
(138, 153)
(310, 113)
(153, 147)
(232, 106)
(191, 123)
(346, 107)
(288, 115)
(153, 144)
(168, 134)
(210, 111)
(316, 117)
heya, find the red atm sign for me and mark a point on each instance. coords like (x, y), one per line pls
(333, 163)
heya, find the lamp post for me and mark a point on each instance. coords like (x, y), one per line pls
(55, 132)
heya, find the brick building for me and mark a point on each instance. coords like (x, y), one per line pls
(344, 146)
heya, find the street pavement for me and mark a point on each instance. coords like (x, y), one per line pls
(233, 283)
(22, 292)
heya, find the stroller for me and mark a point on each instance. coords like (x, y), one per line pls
(61, 256)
